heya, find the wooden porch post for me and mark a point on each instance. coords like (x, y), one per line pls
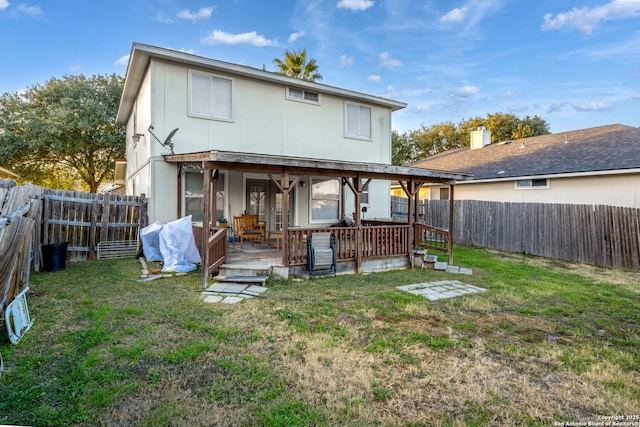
(285, 218)
(210, 183)
(357, 188)
(451, 217)
(359, 231)
(285, 187)
(179, 192)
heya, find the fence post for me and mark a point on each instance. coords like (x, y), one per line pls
(106, 211)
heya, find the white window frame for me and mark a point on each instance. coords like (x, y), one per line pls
(364, 129)
(312, 199)
(528, 184)
(211, 116)
(184, 196)
(303, 95)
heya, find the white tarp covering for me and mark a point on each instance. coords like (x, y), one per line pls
(178, 246)
(150, 238)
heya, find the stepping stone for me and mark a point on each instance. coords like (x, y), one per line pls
(212, 298)
(232, 300)
(440, 266)
(466, 271)
(254, 290)
(453, 269)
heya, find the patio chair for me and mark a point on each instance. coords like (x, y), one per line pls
(244, 227)
(321, 254)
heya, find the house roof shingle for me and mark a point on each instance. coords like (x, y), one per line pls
(605, 148)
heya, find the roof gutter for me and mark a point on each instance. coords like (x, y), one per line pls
(141, 56)
(557, 175)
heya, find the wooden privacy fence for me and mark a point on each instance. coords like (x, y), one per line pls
(606, 236)
(31, 216)
(86, 219)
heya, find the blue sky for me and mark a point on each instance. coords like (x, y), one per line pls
(575, 63)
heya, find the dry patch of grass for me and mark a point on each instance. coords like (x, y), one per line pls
(547, 342)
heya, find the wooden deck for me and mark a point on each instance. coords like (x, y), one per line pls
(373, 241)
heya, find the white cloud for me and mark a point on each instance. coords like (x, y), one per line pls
(355, 4)
(123, 61)
(76, 68)
(465, 91)
(585, 20)
(203, 13)
(163, 18)
(295, 36)
(510, 94)
(455, 15)
(423, 108)
(29, 10)
(252, 38)
(374, 78)
(581, 107)
(388, 62)
(346, 61)
(3, 5)
(391, 92)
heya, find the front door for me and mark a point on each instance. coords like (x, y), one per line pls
(265, 200)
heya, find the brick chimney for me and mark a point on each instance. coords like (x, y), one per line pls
(480, 138)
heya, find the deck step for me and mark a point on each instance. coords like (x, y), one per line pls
(230, 270)
(259, 280)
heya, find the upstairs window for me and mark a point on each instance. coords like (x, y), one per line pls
(304, 95)
(357, 121)
(532, 183)
(209, 96)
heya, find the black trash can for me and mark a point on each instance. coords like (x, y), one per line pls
(54, 256)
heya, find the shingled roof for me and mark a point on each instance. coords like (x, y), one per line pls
(605, 148)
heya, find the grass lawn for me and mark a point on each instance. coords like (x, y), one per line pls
(548, 342)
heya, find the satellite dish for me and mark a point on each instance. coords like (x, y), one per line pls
(167, 142)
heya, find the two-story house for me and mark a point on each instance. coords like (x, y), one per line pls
(295, 152)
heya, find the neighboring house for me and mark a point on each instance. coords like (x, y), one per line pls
(7, 174)
(295, 152)
(598, 166)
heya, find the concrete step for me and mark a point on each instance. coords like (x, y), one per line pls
(245, 280)
(227, 270)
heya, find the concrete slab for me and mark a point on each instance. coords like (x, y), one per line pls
(235, 288)
(254, 290)
(232, 300)
(453, 269)
(434, 291)
(213, 298)
(217, 287)
(466, 271)
(440, 266)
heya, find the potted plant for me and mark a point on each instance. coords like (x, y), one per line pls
(222, 222)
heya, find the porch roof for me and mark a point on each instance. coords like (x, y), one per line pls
(229, 160)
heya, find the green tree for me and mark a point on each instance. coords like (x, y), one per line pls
(295, 64)
(438, 138)
(63, 131)
(430, 140)
(403, 149)
(505, 127)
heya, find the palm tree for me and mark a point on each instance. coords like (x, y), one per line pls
(295, 65)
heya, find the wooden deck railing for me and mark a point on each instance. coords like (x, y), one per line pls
(385, 240)
(217, 246)
(377, 242)
(433, 238)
